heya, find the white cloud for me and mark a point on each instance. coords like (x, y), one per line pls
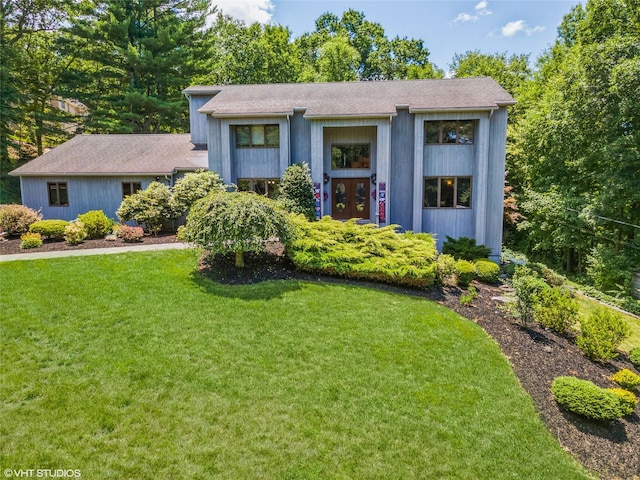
(481, 8)
(465, 17)
(249, 11)
(511, 28)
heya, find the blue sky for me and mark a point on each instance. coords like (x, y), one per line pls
(446, 27)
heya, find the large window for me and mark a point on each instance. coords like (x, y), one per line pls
(269, 187)
(447, 192)
(449, 132)
(257, 136)
(351, 156)
(129, 188)
(58, 196)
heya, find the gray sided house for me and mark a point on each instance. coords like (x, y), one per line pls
(95, 172)
(428, 155)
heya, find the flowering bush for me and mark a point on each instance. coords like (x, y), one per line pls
(131, 234)
(30, 240)
(75, 233)
(16, 219)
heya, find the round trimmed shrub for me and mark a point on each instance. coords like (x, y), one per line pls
(16, 219)
(628, 401)
(130, 234)
(51, 229)
(626, 379)
(466, 272)
(30, 240)
(634, 356)
(487, 271)
(96, 223)
(587, 399)
(75, 233)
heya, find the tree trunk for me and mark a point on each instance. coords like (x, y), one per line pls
(239, 259)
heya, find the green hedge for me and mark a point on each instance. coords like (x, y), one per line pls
(51, 229)
(589, 400)
(466, 272)
(351, 250)
(487, 271)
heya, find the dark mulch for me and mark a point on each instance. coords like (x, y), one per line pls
(12, 245)
(610, 449)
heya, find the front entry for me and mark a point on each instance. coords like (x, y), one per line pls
(350, 198)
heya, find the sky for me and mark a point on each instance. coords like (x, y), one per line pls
(446, 27)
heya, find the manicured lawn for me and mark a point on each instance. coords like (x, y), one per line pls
(131, 366)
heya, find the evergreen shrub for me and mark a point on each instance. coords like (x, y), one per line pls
(601, 334)
(556, 309)
(626, 379)
(50, 229)
(75, 233)
(446, 265)
(130, 234)
(628, 400)
(587, 399)
(296, 191)
(487, 271)
(16, 219)
(30, 240)
(527, 286)
(466, 272)
(364, 252)
(634, 356)
(96, 223)
(465, 248)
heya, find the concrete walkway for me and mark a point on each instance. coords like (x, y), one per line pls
(93, 251)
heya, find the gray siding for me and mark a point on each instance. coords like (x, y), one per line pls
(197, 121)
(85, 193)
(401, 196)
(300, 138)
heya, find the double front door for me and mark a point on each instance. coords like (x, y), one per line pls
(350, 198)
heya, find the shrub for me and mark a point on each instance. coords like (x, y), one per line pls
(192, 187)
(130, 234)
(75, 233)
(446, 267)
(469, 297)
(16, 219)
(601, 334)
(364, 252)
(626, 379)
(555, 308)
(487, 271)
(587, 399)
(628, 400)
(296, 191)
(236, 222)
(634, 356)
(465, 248)
(466, 272)
(148, 207)
(51, 229)
(30, 240)
(96, 223)
(527, 286)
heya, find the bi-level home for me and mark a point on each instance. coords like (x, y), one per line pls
(428, 155)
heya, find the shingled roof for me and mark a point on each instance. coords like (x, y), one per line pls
(128, 154)
(359, 99)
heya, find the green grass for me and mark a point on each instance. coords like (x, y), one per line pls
(131, 366)
(589, 305)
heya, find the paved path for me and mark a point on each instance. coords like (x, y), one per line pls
(92, 251)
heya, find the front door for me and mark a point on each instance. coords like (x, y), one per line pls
(350, 198)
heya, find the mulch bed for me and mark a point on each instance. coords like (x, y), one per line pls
(12, 245)
(611, 449)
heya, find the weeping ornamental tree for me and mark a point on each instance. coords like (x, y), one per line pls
(236, 222)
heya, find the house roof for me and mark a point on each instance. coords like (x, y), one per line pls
(128, 154)
(359, 99)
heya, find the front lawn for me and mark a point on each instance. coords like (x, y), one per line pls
(131, 366)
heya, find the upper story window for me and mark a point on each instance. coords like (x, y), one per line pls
(58, 196)
(357, 155)
(257, 136)
(449, 132)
